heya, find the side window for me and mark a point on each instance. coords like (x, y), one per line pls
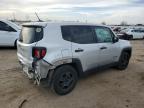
(66, 33)
(103, 34)
(137, 31)
(2, 25)
(6, 27)
(82, 34)
(78, 34)
(142, 31)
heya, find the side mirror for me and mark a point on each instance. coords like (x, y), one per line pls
(115, 39)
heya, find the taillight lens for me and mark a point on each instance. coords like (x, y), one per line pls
(39, 52)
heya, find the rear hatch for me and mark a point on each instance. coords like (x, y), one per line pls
(29, 37)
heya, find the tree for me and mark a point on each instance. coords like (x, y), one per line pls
(123, 23)
(103, 23)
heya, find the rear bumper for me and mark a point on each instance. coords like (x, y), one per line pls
(24, 61)
(39, 67)
(36, 69)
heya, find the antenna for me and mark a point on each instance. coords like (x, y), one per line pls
(38, 17)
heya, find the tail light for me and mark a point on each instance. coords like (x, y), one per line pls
(39, 52)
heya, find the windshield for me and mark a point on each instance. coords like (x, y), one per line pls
(31, 34)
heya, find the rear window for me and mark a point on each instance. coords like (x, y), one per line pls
(31, 34)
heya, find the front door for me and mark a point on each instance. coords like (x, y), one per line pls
(107, 48)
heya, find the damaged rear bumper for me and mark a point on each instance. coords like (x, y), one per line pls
(38, 70)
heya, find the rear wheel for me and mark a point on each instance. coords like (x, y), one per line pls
(123, 61)
(64, 80)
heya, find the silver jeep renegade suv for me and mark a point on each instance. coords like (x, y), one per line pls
(60, 53)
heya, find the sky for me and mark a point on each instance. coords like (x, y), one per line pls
(97, 11)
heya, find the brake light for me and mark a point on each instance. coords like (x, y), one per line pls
(39, 52)
(43, 52)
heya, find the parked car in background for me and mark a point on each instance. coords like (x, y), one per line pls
(9, 33)
(62, 52)
(124, 36)
(136, 33)
(117, 29)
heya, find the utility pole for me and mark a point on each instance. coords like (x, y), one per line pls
(14, 17)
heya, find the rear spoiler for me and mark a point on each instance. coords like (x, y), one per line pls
(35, 24)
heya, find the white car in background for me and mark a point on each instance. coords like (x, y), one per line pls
(9, 33)
(136, 33)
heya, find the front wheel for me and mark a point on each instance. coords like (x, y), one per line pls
(123, 61)
(64, 80)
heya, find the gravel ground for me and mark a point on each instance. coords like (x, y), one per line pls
(107, 89)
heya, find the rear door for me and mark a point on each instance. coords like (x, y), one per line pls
(84, 46)
(29, 36)
(7, 35)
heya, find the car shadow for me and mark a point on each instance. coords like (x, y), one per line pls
(98, 72)
(7, 48)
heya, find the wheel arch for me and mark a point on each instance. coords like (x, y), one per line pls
(75, 63)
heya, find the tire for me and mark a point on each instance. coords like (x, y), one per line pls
(15, 44)
(123, 61)
(64, 80)
(131, 37)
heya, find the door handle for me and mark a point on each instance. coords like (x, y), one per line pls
(102, 48)
(79, 50)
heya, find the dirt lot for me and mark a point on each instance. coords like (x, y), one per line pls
(109, 89)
